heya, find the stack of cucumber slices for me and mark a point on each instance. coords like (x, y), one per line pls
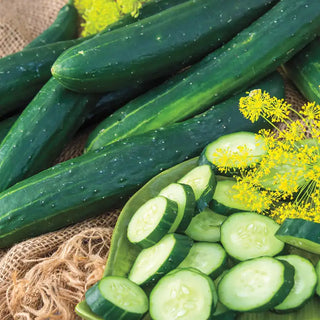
(204, 255)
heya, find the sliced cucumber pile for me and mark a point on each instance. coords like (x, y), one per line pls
(183, 294)
(318, 276)
(247, 235)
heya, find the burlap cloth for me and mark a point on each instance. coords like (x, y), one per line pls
(45, 277)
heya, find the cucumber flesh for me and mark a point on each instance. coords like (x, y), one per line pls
(247, 235)
(203, 183)
(116, 297)
(256, 285)
(152, 221)
(305, 280)
(205, 226)
(209, 258)
(184, 197)
(152, 263)
(247, 146)
(183, 294)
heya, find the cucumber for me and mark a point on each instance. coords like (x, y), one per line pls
(5, 126)
(23, 74)
(256, 285)
(102, 63)
(205, 226)
(202, 181)
(183, 195)
(152, 221)
(65, 27)
(247, 235)
(90, 184)
(249, 147)
(223, 313)
(209, 258)
(183, 294)
(304, 70)
(117, 298)
(55, 114)
(257, 50)
(300, 233)
(154, 262)
(305, 280)
(224, 200)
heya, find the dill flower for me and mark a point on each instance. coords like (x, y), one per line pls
(98, 14)
(290, 170)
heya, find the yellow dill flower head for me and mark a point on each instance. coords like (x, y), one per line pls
(311, 111)
(98, 14)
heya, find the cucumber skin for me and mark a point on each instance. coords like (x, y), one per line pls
(25, 72)
(179, 252)
(5, 126)
(90, 184)
(300, 228)
(237, 64)
(102, 64)
(304, 70)
(64, 27)
(55, 114)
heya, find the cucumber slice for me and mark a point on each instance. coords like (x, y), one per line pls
(116, 297)
(203, 182)
(152, 221)
(248, 147)
(183, 294)
(205, 226)
(256, 285)
(247, 235)
(318, 276)
(224, 200)
(183, 195)
(152, 263)
(300, 233)
(209, 258)
(305, 281)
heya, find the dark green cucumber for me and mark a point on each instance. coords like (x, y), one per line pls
(23, 74)
(158, 45)
(5, 126)
(300, 233)
(41, 132)
(257, 50)
(88, 185)
(64, 27)
(304, 70)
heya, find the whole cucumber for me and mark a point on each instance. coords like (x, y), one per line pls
(155, 46)
(304, 70)
(256, 51)
(90, 184)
